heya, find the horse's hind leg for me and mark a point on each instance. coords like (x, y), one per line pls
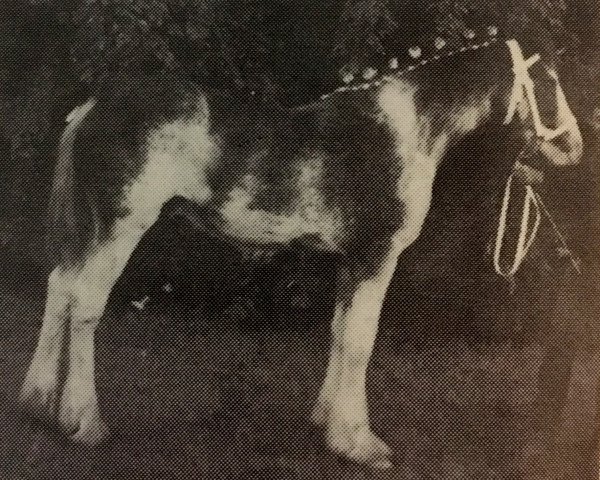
(39, 394)
(79, 415)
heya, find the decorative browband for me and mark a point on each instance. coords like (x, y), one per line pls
(370, 78)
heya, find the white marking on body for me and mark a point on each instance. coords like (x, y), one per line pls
(308, 214)
(179, 155)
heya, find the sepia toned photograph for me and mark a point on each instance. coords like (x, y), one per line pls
(299, 239)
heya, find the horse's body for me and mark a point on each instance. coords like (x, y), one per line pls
(351, 174)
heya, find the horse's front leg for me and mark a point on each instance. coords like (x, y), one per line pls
(342, 402)
(344, 396)
(322, 409)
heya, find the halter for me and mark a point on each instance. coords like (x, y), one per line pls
(524, 90)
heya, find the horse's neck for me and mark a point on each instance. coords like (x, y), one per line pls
(426, 127)
(468, 114)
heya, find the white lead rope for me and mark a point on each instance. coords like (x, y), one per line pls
(526, 239)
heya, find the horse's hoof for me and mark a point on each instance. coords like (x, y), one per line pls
(39, 401)
(83, 424)
(91, 434)
(360, 445)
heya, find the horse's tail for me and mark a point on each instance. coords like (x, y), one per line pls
(71, 221)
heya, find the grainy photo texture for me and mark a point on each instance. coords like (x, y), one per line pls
(299, 239)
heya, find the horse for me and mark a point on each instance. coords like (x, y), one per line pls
(350, 173)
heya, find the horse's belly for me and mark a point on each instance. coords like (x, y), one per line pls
(305, 221)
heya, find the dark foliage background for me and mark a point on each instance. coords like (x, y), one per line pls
(54, 53)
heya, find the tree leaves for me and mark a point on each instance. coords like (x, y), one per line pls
(365, 24)
(116, 34)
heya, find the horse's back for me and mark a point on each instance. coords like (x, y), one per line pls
(268, 174)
